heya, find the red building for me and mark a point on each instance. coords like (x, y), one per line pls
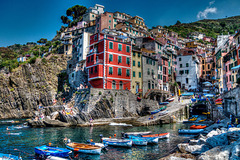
(109, 62)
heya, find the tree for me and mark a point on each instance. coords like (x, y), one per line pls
(178, 23)
(223, 24)
(65, 20)
(75, 13)
(42, 41)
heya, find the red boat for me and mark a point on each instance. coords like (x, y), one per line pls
(197, 127)
(160, 136)
(219, 99)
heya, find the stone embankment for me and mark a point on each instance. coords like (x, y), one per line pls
(218, 144)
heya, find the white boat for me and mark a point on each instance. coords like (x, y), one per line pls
(138, 133)
(55, 158)
(119, 124)
(190, 131)
(99, 144)
(15, 134)
(117, 142)
(84, 148)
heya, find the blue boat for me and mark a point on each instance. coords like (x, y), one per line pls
(52, 151)
(9, 157)
(150, 140)
(163, 103)
(155, 111)
(190, 131)
(138, 141)
(117, 142)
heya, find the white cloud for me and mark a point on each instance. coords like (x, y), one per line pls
(211, 3)
(205, 13)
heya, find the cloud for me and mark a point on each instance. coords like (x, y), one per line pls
(209, 9)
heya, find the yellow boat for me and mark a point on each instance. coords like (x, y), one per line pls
(202, 120)
(205, 112)
(193, 119)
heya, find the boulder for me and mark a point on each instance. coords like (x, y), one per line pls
(33, 123)
(217, 153)
(55, 123)
(178, 158)
(217, 140)
(197, 149)
(54, 115)
(212, 133)
(193, 142)
(182, 147)
(235, 152)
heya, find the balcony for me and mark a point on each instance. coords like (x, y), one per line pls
(100, 61)
(67, 37)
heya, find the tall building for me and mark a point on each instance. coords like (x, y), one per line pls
(137, 72)
(109, 62)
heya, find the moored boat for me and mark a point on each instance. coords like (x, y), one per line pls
(52, 151)
(155, 111)
(160, 136)
(150, 140)
(117, 142)
(138, 142)
(138, 133)
(84, 148)
(190, 131)
(197, 127)
(9, 157)
(170, 99)
(163, 103)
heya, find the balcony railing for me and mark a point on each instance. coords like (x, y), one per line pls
(100, 61)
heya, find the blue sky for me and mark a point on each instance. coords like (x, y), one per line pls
(29, 20)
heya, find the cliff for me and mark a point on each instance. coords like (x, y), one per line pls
(30, 84)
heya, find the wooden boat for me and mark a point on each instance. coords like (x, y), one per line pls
(155, 111)
(160, 136)
(193, 119)
(202, 120)
(218, 102)
(170, 99)
(138, 142)
(117, 142)
(219, 99)
(190, 131)
(138, 133)
(9, 157)
(163, 103)
(197, 127)
(150, 140)
(55, 158)
(51, 151)
(84, 148)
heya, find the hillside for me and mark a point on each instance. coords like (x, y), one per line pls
(211, 27)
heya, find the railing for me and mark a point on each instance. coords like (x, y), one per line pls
(100, 61)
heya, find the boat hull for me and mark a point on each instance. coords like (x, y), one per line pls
(9, 157)
(137, 133)
(84, 148)
(52, 151)
(94, 151)
(117, 142)
(138, 142)
(190, 131)
(150, 140)
(160, 136)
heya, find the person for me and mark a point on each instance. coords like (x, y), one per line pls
(236, 122)
(230, 118)
(64, 112)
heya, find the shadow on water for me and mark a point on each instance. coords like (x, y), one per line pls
(32, 137)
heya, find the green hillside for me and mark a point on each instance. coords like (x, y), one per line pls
(211, 27)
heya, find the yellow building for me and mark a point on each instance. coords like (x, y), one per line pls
(67, 42)
(137, 72)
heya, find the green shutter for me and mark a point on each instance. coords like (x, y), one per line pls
(110, 45)
(138, 54)
(119, 47)
(140, 74)
(139, 64)
(133, 73)
(110, 70)
(128, 72)
(128, 60)
(128, 49)
(110, 57)
(119, 59)
(133, 63)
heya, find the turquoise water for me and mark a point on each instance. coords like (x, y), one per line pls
(29, 138)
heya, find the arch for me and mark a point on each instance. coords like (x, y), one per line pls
(113, 84)
(121, 85)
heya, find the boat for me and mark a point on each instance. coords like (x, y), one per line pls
(52, 151)
(55, 158)
(219, 99)
(9, 157)
(138, 133)
(155, 111)
(14, 134)
(117, 142)
(163, 103)
(163, 113)
(197, 127)
(206, 113)
(218, 102)
(190, 131)
(202, 120)
(170, 99)
(160, 136)
(84, 148)
(120, 124)
(150, 140)
(138, 142)
(193, 119)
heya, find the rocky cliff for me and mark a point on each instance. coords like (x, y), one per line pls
(30, 84)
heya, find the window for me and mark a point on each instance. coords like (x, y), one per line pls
(128, 72)
(139, 74)
(152, 85)
(149, 85)
(113, 84)
(109, 27)
(119, 47)
(186, 71)
(110, 57)
(128, 49)
(230, 78)
(128, 60)
(148, 71)
(115, 20)
(208, 66)
(109, 21)
(161, 68)
(88, 59)
(187, 64)
(187, 80)
(202, 67)
(91, 70)
(147, 60)
(133, 73)
(95, 69)
(109, 15)
(152, 72)
(121, 85)
(139, 55)
(153, 63)
(110, 70)
(180, 59)
(92, 15)
(133, 63)
(233, 78)
(227, 78)
(119, 71)
(238, 53)
(150, 61)
(119, 59)
(202, 61)
(110, 45)
(180, 65)
(92, 58)
(139, 64)
(226, 69)
(181, 72)
(95, 37)
(115, 25)
(161, 77)
(134, 54)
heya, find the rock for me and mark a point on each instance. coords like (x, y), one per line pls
(178, 158)
(202, 141)
(33, 123)
(212, 133)
(197, 149)
(54, 115)
(217, 153)
(233, 129)
(182, 147)
(193, 142)
(218, 140)
(55, 123)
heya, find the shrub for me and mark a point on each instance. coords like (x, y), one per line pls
(91, 94)
(44, 60)
(32, 60)
(12, 89)
(99, 93)
(87, 92)
(77, 92)
(82, 92)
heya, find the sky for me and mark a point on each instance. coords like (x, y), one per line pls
(25, 21)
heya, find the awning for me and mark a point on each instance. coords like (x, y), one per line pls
(236, 67)
(188, 94)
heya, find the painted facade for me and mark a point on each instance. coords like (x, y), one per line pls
(137, 72)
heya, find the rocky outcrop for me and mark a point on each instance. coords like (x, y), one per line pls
(28, 85)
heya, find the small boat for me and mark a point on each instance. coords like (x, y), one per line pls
(163, 113)
(52, 151)
(138, 142)
(206, 113)
(160, 136)
(9, 157)
(119, 124)
(55, 158)
(117, 142)
(163, 103)
(193, 119)
(138, 133)
(14, 134)
(190, 131)
(155, 111)
(219, 99)
(99, 144)
(218, 102)
(197, 127)
(170, 99)
(202, 120)
(84, 148)
(150, 140)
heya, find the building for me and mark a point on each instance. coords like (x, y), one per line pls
(137, 72)
(92, 13)
(109, 62)
(105, 21)
(66, 38)
(188, 71)
(208, 68)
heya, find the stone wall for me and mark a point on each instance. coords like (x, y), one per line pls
(232, 102)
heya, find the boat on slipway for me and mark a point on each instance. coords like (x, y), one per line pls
(51, 151)
(84, 148)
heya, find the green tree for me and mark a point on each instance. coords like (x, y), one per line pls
(75, 13)
(223, 24)
(65, 20)
(42, 41)
(178, 23)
